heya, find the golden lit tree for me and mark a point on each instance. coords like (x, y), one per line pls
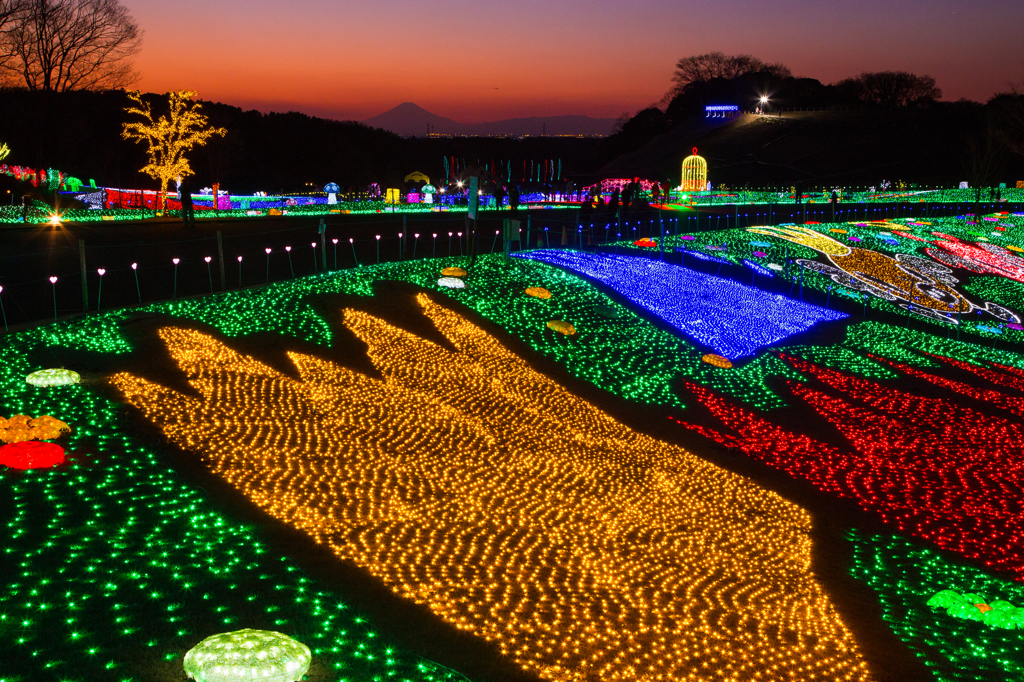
(169, 137)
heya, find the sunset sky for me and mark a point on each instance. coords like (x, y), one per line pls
(488, 59)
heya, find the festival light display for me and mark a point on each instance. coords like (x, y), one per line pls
(954, 487)
(887, 260)
(717, 361)
(447, 479)
(31, 455)
(53, 377)
(982, 258)
(169, 137)
(248, 655)
(998, 614)
(538, 292)
(695, 173)
(926, 287)
(111, 482)
(21, 427)
(115, 566)
(907, 576)
(733, 319)
(562, 327)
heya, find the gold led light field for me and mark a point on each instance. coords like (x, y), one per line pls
(472, 484)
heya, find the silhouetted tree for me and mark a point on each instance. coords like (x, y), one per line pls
(702, 68)
(60, 45)
(892, 89)
(1009, 111)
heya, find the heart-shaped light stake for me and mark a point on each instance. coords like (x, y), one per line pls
(209, 274)
(53, 281)
(135, 270)
(352, 243)
(290, 266)
(175, 261)
(99, 294)
(268, 264)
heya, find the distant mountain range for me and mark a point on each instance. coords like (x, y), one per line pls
(409, 119)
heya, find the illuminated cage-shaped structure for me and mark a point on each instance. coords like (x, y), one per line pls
(695, 173)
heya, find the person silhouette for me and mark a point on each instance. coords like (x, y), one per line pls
(188, 216)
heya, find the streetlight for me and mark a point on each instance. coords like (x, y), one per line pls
(764, 103)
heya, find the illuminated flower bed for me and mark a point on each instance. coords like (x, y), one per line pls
(453, 493)
(907, 576)
(122, 566)
(733, 319)
(957, 488)
(902, 266)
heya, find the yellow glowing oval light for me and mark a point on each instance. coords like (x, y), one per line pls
(717, 361)
(53, 377)
(248, 655)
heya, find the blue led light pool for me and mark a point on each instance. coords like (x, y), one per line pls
(732, 318)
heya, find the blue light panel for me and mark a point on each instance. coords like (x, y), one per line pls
(732, 318)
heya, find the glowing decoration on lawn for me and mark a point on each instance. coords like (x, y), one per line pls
(4, 150)
(538, 292)
(928, 287)
(956, 487)
(449, 480)
(332, 190)
(31, 455)
(561, 327)
(717, 361)
(907, 577)
(695, 173)
(168, 138)
(453, 272)
(245, 655)
(53, 377)
(982, 258)
(732, 318)
(997, 614)
(21, 427)
(428, 191)
(451, 283)
(645, 243)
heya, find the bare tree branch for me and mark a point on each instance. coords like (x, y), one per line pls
(64, 45)
(704, 67)
(893, 89)
(1012, 114)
